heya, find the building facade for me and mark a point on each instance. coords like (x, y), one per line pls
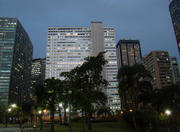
(159, 65)
(175, 70)
(38, 70)
(174, 9)
(15, 62)
(128, 52)
(68, 46)
(37, 73)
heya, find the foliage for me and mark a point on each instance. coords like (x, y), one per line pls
(87, 82)
(48, 94)
(104, 112)
(134, 86)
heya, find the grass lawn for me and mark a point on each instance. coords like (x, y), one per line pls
(97, 127)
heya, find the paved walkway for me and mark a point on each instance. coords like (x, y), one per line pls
(14, 129)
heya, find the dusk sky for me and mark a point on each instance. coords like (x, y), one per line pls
(146, 20)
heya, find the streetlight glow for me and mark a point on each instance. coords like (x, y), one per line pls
(9, 110)
(130, 110)
(67, 110)
(44, 111)
(13, 105)
(60, 104)
(39, 111)
(121, 112)
(168, 112)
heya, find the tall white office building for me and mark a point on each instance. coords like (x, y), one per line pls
(68, 46)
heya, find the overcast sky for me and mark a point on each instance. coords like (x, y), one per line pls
(146, 20)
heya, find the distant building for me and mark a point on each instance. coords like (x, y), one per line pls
(38, 70)
(174, 9)
(15, 62)
(159, 65)
(128, 52)
(175, 70)
(68, 46)
(37, 73)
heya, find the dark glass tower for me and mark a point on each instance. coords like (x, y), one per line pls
(128, 52)
(174, 9)
(15, 62)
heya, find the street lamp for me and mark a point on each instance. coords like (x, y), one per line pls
(40, 118)
(60, 116)
(13, 105)
(9, 109)
(168, 112)
(39, 112)
(121, 112)
(44, 111)
(70, 125)
(60, 105)
(130, 110)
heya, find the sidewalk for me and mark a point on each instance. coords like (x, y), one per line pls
(11, 129)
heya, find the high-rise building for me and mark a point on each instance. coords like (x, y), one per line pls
(15, 62)
(68, 46)
(175, 70)
(128, 52)
(37, 73)
(174, 9)
(38, 70)
(159, 65)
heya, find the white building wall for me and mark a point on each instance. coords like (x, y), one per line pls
(68, 46)
(111, 68)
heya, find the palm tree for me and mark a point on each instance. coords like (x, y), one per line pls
(134, 82)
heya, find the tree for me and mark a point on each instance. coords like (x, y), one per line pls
(104, 111)
(87, 82)
(134, 83)
(3, 112)
(48, 95)
(168, 98)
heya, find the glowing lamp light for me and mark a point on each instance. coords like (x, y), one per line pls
(130, 110)
(44, 111)
(121, 112)
(13, 105)
(9, 110)
(168, 112)
(39, 112)
(60, 104)
(67, 110)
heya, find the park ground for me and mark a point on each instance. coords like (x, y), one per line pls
(119, 126)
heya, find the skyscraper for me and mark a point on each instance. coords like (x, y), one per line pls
(174, 9)
(37, 73)
(38, 70)
(15, 62)
(128, 52)
(159, 65)
(175, 70)
(68, 46)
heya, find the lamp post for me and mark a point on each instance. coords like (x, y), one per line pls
(70, 125)
(168, 113)
(40, 118)
(60, 117)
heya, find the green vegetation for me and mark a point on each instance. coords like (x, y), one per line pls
(97, 127)
(145, 107)
(142, 107)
